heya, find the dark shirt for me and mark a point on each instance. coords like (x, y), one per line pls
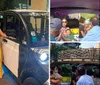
(74, 77)
(81, 28)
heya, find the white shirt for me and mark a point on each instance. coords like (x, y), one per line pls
(85, 80)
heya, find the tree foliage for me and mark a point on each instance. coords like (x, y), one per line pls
(6, 4)
(56, 48)
(1, 4)
(87, 16)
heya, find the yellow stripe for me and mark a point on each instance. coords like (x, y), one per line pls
(0, 60)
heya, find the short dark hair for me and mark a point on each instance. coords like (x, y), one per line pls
(53, 67)
(95, 21)
(81, 70)
(74, 68)
(90, 72)
(82, 20)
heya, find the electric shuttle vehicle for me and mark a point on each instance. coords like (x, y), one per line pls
(25, 49)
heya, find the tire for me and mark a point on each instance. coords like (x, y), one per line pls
(31, 81)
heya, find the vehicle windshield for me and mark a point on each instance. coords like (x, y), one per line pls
(37, 23)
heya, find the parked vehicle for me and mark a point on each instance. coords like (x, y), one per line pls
(25, 50)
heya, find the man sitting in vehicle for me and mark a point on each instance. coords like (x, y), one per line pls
(81, 28)
(94, 33)
(55, 26)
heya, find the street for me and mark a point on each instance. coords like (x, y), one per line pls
(7, 80)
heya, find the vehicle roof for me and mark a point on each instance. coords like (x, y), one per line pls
(27, 10)
(78, 6)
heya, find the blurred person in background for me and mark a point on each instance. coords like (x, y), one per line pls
(64, 25)
(94, 33)
(84, 78)
(55, 26)
(81, 28)
(74, 75)
(88, 27)
(55, 77)
(67, 36)
(95, 75)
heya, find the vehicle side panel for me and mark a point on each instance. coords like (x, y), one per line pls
(11, 56)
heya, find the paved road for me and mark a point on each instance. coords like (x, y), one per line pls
(7, 80)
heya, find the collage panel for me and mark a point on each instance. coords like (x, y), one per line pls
(71, 64)
(24, 42)
(74, 21)
(75, 42)
(49, 42)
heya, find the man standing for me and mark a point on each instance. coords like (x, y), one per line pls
(74, 75)
(84, 78)
(55, 77)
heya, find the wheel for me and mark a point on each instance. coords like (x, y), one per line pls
(31, 81)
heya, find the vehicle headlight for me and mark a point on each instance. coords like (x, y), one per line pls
(43, 57)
